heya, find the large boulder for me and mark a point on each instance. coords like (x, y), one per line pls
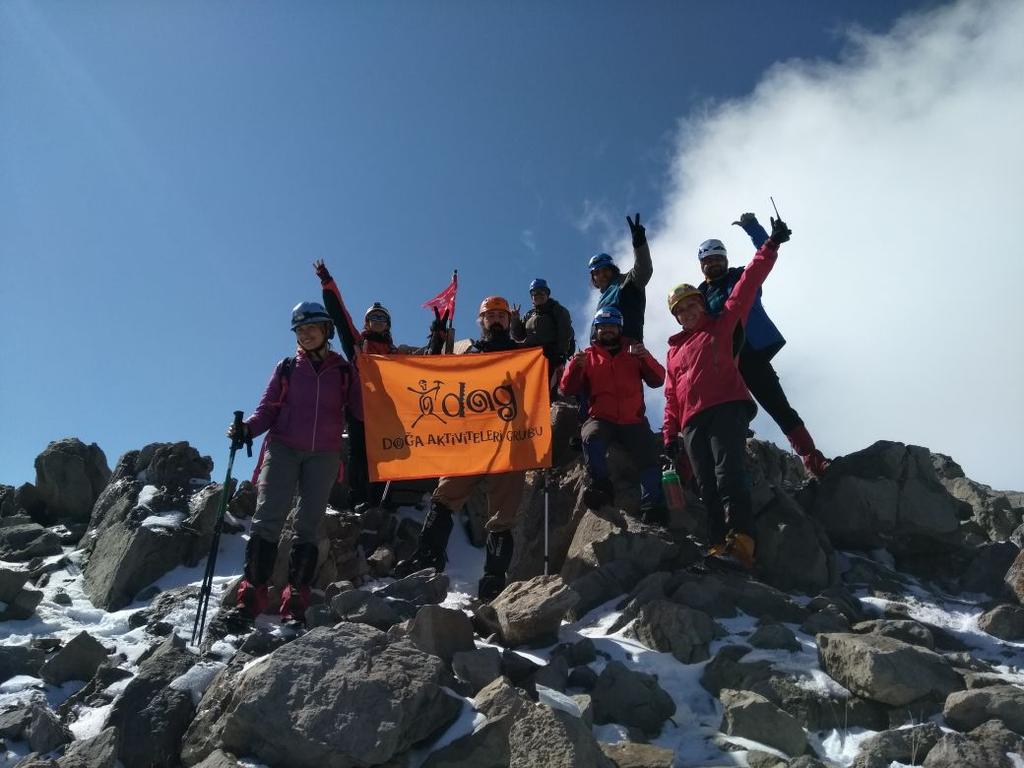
(902, 745)
(20, 660)
(545, 736)
(611, 535)
(624, 696)
(99, 751)
(997, 513)
(338, 697)
(69, 478)
(965, 710)
(988, 567)
(442, 632)
(786, 535)
(751, 716)
(530, 610)
(22, 540)
(143, 536)
(150, 715)
(991, 745)
(78, 660)
(885, 492)
(1004, 621)
(173, 465)
(684, 632)
(1014, 578)
(885, 669)
(563, 516)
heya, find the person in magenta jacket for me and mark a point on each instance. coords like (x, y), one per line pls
(302, 411)
(614, 371)
(707, 402)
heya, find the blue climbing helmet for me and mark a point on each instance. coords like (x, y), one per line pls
(539, 284)
(601, 260)
(711, 248)
(310, 312)
(607, 316)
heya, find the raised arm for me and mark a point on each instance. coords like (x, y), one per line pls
(348, 334)
(753, 228)
(737, 306)
(643, 267)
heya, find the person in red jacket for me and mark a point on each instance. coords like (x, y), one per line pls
(614, 374)
(707, 402)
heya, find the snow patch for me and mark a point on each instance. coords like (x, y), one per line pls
(197, 679)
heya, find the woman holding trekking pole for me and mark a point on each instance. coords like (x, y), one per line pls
(303, 413)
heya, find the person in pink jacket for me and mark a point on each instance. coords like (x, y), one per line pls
(303, 413)
(707, 405)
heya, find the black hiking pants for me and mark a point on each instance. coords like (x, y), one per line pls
(716, 443)
(763, 382)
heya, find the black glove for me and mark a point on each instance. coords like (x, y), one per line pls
(745, 220)
(439, 323)
(239, 435)
(636, 229)
(780, 232)
(438, 332)
(321, 271)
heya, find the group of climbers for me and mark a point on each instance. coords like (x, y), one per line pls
(716, 363)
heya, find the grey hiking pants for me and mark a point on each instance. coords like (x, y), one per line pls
(284, 469)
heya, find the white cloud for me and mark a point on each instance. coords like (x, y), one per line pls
(900, 170)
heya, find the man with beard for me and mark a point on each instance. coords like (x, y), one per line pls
(757, 341)
(614, 372)
(548, 325)
(504, 490)
(626, 292)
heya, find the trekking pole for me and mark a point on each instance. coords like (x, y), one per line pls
(777, 216)
(211, 561)
(544, 484)
(384, 496)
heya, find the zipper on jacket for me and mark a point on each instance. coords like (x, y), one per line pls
(316, 413)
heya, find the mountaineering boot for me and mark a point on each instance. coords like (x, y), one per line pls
(296, 595)
(499, 557)
(652, 498)
(598, 493)
(803, 445)
(737, 549)
(252, 598)
(432, 551)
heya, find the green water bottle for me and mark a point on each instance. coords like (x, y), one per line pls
(673, 489)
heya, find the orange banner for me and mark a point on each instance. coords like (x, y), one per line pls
(447, 415)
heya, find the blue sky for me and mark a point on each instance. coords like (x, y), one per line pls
(169, 171)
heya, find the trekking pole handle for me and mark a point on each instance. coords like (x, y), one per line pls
(238, 427)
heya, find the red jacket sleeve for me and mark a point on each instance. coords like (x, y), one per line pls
(651, 371)
(270, 406)
(670, 425)
(738, 305)
(574, 375)
(347, 331)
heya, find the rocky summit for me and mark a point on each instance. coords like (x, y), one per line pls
(882, 625)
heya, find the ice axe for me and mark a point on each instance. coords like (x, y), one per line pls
(237, 428)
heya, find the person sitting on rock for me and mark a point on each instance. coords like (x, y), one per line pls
(548, 325)
(504, 490)
(706, 400)
(760, 341)
(303, 413)
(614, 374)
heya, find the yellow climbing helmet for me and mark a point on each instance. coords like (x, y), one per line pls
(680, 292)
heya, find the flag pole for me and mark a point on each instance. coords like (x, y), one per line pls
(449, 345)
